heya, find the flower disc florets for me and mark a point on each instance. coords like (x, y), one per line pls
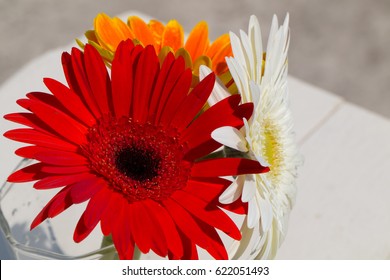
(139, 160)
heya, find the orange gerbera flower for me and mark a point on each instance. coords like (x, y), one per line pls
(196, 50)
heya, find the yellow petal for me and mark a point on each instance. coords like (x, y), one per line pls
(111, 31)
(173, 35)
(198, 40)
(187, 58)
(81, 44)
(163, 53)
(141, 31)
(91, 36)
(201, 60)
(107, 55)
(228, 81)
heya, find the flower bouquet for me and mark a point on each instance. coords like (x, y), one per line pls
(173, 145)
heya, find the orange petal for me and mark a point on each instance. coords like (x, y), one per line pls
(157, 29)
(218, 50)
(111, 31)
(198, 40)
(141, 31)
(173, 35)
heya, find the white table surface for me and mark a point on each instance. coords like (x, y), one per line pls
(343, 206)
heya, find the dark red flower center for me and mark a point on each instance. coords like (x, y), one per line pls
(137, 164)
(138, 160)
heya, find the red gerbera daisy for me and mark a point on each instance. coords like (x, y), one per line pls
(131, 145)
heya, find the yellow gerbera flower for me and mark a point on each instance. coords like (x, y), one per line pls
(197, 50)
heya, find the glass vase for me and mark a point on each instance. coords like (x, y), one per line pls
(53, 239)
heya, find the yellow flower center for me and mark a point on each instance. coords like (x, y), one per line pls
(272, 150)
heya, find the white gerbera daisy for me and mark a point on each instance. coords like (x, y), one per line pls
(261, 78)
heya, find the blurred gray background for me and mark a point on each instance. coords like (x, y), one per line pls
(339, 45)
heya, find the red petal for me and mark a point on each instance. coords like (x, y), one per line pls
(208, 213)
(53, 169)
(29, 173)
(91, 216)
(194, 229)
(171, 234)
(50, 156)
(71, 101)
(98, 78)
(165, 85)
(220, 111)
(27, 152)
(122, 77)
(224, 113)
(80, 85)
(61, 180)
(216, 248)
(191, 253)
(237, 207)
(45, 98)
(141, 226)
(159, 85)
(208, 189)
(55, 206)
(73, 131)
(66, 61)
(122, 234)
(33, 136)
(145, 77)
(30, 120)
(159, 242)
(226, 167)
(84, 190)
(193, 103)
(178, 96)
(109, 216)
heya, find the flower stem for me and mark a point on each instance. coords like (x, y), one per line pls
(111, 255)
(137, 253)
(107, 241)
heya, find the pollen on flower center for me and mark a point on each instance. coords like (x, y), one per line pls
(139, 160)
(272, 150)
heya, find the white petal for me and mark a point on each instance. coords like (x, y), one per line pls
(254, 33)
(232, 250)
(229, 178)
(262, 161)
(247, 51)
(240, 78)
(233, 192)
(266, 213)
(249, 189)
(238, 52)
(230, 137)
(255, 93)
(253, 213)
(204, 71)
(219, 91)
(247, 129)
(272, 32)
(245, 242)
